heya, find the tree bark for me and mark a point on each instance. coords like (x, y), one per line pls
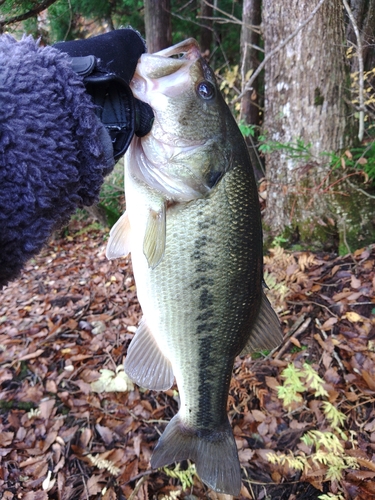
(306, 111)
(251, 16)
(250, 107)
(206, 35)
(364, 14)
(158, 25)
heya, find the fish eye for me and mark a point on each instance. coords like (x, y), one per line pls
(206, 90)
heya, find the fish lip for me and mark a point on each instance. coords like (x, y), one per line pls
(191, 52)
(189, 48)
(162, 64)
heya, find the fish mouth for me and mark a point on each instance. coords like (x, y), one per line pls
(164, 75)
(167, 72)
(187, 50)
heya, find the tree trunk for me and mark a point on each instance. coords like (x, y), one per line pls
(364, 15)
(251, 16)
(250, 108)
(158, 25)
(206, 35)
(306, 117)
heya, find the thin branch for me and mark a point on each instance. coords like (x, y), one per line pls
(356, 188)
(360, 70)
(70, 20)
(31, 13)
(224, 20)
(184, 6)
(275, 50)
(228, 18)
(221, 20)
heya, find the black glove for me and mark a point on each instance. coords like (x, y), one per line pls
(107, 63)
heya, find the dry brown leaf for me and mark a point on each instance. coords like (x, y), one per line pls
(355, 282)
(31, 355)
(295, 341)
(6, 438)
(46, 408)
(272, 382)
(328, 324)
(259, 416)
(353, 317)
(369, 379)
(105, 433)
(94, 485)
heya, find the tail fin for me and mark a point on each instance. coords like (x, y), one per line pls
(214, 453)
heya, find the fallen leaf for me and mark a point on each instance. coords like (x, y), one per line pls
(353, 317)
(328, 324)
(110, 381)
(355, 282)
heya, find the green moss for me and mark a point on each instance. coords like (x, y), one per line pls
(308, 235)
(16, 405)
(318, 97)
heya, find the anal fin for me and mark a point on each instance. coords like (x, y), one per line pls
(154, 240)
(119, 238)
(266, 332)
(145, 364)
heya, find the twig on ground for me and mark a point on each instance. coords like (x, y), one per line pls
(300, 328)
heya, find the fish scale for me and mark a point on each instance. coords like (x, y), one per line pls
(193, 227)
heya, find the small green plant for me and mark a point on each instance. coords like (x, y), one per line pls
(280, 290)
(246, 129)
(293, 387)
(278, 241)
(296, 349)
(186, 477)
(260, 354)
(296, 150)
(331, 496)
(330, 452)
(327, 447)
(361, 158)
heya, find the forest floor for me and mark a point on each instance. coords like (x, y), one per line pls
(72, 426)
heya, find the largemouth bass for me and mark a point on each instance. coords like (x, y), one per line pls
(193, 227)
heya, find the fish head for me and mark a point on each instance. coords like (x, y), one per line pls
(185, 154)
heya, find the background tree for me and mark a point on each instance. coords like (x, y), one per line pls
(250, 38)
(250, 107)
(206, 30)
(306, 118)
(158, 24)
(364, 15)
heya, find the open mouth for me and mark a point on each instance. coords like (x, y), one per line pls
(188, 49)
(166, 72)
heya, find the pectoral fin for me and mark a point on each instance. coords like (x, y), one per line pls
(145, 364)
(154, 241)
(119, 239)
(266, 332)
